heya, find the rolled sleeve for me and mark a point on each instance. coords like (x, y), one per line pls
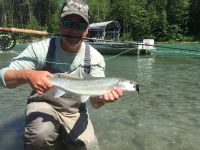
(2, 72)
(33, 57)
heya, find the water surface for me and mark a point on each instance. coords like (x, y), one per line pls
(164, 115)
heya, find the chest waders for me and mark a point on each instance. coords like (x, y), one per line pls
(61, 103)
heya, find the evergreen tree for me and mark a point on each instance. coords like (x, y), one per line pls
(194, 15)
(158, 19)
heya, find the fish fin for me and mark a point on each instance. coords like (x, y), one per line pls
(84, 98)
(71, 76)
(57, 92)
(67, 75)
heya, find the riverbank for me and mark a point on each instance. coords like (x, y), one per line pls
(181, 42)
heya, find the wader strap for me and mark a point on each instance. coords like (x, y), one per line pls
(50, 58)
(87, 59)
(50, 55)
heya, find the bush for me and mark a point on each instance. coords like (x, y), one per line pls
(126, 37)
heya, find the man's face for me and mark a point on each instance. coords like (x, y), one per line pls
(74, 28)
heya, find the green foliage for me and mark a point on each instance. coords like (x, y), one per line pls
(194, 15)
(33, 24)
(163, 20)
(54, 18)
(174, 33)
(53, 24)
(126, 37)
(99, 10)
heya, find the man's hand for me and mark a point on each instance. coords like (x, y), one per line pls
(38, 80)
(109, 97)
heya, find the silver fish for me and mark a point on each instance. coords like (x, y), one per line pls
(64, 84)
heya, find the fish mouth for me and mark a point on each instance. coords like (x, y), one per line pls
(137, 88)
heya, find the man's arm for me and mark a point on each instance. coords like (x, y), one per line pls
(98, 70)
(38, 80)
(22, 69)
(109, 97)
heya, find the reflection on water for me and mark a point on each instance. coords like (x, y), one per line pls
(164, 115)
(145, 65)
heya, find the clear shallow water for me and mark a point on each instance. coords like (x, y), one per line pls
(164, 115)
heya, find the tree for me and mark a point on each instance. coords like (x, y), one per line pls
(157, 17)
(125, 13)
(178, 16)
(178, 12)
(99, 10)
(194, 15)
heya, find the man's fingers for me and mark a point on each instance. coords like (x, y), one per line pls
(119, 91)
(39, 90)
(105, 97)
(112, 96)
(47, 85)
(115, 95)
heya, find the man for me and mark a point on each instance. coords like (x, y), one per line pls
(65, 120)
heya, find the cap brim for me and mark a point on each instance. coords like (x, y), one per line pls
(77, 13)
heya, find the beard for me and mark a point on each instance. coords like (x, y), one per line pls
(71, 43)
(72, 39)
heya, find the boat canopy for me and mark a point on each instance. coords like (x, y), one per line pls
(109, 30)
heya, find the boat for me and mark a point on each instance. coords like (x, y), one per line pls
(124, 48)
(104, 37)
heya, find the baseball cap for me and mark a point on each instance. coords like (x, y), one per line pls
(75, 7)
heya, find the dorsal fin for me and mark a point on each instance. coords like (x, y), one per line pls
(66, 75)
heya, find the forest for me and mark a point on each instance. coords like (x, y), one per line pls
(162, 20)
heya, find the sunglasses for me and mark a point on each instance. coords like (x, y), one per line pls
(69, 24)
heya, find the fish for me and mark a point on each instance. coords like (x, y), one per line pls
(90, 86)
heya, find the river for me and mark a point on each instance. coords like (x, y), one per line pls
(164, 115)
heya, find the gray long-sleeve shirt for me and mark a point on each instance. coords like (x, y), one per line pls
(34, 57)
